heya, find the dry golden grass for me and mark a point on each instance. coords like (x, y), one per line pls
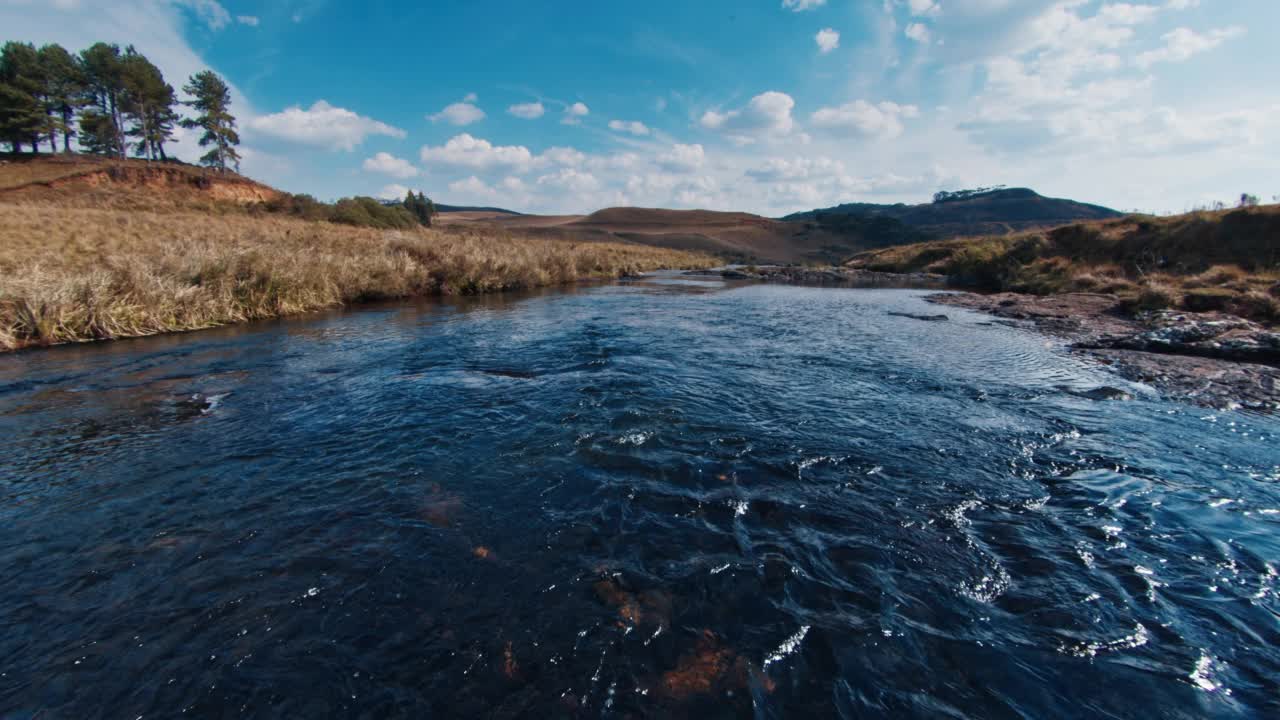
(75, 274)
(1226, 260)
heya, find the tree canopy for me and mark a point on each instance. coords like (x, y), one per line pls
(212, 100)
(113, 102)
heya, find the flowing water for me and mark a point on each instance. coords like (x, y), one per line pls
(647, 499)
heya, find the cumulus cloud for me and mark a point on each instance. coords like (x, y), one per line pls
(574, 113)
(472, 188)
(798, 168)
(1182, 43)
(460, 114)
(465, 151)
(388, 164)
(919, 32)
(570, 180)
(393, 191)
(768, 113)
(528, 111)
(802, 5)
(884, 120)
(635, 127)
(210, 12)
(827, 40)
(683, 158)
(322, 125)
(566, 156)
(923, 8)
(250, 20)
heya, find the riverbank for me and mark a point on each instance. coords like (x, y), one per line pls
(71, 274)
(1212, 359)
(824, 276)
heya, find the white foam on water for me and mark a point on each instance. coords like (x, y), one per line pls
(788, 646)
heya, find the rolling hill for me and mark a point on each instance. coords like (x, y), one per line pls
(818, 236)
(736, 236)
(989, 212)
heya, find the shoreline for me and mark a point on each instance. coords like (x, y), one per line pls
(1211, 359)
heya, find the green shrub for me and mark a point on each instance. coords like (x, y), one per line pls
(367, 212)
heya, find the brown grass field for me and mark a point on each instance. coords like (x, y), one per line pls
(71, 274)
(1226, 260)
(737, 236)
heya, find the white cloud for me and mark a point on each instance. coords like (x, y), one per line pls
(635, 127)
(210, 12)
(923, 8)
(574, 113)
(884, 120)
(460, 114)
(322, 125)
(250, 20)
(1182, 43)
(570, 180)
(802, 5)
(465, 151)
(393, 192)
(768, 113)
(827, 40)
(472, 188)
(388, 164)
(919, 32)
(798, 168)
(566, 156)
(683, 158)
(528, 111)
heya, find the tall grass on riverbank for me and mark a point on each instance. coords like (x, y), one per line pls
(1227, 261)
(72, 274)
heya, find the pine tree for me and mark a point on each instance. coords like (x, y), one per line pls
(421, 208)
(102, 126)
(22, 116)
(212, 101)
(148, 103)
(429, 208)
(65, 88)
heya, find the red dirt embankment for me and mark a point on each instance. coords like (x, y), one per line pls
(102, 181)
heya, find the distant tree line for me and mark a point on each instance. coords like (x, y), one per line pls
(113, 102)
(416, 209)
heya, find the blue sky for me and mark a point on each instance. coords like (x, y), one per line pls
(768, 106)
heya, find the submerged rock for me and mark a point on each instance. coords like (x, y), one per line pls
(1105, 393)
(922, 318)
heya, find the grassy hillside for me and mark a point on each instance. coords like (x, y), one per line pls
(89, 181)
(1226, 260)
(734, 236)
(132, 255)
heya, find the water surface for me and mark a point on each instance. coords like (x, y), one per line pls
(652, 499)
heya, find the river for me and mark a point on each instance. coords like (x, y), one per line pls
(658, 498)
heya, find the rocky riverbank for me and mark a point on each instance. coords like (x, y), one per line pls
(829, 276)
(1212, 359)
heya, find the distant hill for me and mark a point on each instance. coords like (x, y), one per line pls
(470, 209)
(989, 212)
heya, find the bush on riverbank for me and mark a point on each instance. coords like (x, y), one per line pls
(73, 274)
(1226, 259)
